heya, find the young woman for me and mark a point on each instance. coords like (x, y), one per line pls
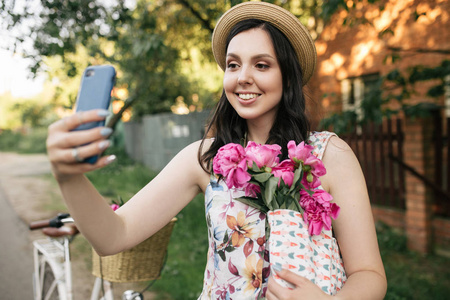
(267, 56)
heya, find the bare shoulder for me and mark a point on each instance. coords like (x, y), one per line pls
(336, 151)
(341, 163)
(194, 148)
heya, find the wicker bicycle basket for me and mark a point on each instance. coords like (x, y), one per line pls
(140, 263)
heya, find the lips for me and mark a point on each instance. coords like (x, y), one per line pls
(247, 98)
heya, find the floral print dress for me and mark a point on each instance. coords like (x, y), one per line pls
(238, 261)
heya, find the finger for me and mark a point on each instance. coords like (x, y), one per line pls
(79, 168)
(294, 279)
(78, 154)
(75, 120)
(77, 138)
(60, 154)
(270, 296)
(274, 289)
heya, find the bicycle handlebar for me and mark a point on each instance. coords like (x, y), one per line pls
(56, 222)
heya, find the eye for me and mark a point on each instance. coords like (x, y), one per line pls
(232, 65)
(262, 66)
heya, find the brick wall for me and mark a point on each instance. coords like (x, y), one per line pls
(352, 51)
(345, 51)
(418, 217)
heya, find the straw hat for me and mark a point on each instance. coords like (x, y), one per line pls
(282, 19)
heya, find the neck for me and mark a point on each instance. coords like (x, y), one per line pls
(258, 133)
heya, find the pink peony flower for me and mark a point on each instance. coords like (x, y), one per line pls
(310, 181)
(230, 162)
(262, 155)
(252, 190)
(313, 167)
(284, 170)
(318, 210)
(299, 153)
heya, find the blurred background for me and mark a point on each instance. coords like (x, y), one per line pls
(382, 83)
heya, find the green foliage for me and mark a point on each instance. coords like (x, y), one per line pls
(341, 122)
(161, 48)
(405, 82)
(182, 276)
(330, 7)
(121, 179)
(411, 275)
(25, 112)
(396, 86)
(390, 239)
(31, 141)
(34, 114)
(420, 110)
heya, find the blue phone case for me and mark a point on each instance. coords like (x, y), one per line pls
(95, 92)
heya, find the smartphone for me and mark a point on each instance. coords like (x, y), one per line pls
(94, 93)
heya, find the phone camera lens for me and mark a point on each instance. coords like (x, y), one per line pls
(90, 73)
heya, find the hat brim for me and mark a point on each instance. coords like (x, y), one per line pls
(277, 16)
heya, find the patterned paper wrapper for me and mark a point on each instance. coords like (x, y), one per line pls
(315, 257)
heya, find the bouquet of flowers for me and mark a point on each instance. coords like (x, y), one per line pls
(269, 184)
(288, 193)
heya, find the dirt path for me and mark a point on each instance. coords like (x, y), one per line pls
(28, 185)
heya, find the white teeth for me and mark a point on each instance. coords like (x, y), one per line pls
(247, 96)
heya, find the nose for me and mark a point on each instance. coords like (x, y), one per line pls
(245, 76)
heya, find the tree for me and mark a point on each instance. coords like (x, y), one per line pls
(132, 39)
(161, 48)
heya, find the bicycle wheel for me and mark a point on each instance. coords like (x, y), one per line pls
(49, 284)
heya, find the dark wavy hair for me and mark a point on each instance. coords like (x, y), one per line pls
(291, 122)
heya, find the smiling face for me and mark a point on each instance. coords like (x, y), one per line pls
(253, 80)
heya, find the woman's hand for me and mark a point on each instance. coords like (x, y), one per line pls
(304, 288)
(66, 149)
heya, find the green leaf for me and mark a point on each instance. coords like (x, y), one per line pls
(298, 174)
(292, 206)
(255, 167)
(298, 207)
(269, 192)
(262, 177)
(281, 201)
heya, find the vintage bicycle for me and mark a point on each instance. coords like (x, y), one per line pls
(52, 277)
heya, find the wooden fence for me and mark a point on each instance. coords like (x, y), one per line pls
(378, 147)
(441, 142)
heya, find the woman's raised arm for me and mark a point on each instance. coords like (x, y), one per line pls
(110, 232)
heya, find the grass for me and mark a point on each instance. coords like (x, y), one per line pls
(410, 275)
(32, 141)
(182, 276)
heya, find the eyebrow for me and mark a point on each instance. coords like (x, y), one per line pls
(262, 55)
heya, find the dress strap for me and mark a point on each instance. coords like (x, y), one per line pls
(319, 140)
